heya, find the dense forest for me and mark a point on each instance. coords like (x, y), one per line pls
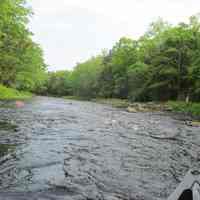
(21, 59)
(163, 64)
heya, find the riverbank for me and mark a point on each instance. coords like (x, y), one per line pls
(76, 98)
(189, 110)
(13, 94)
(135, 106)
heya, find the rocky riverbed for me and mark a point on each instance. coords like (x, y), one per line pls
(63, 149)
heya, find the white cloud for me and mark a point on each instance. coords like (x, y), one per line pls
(72, 30)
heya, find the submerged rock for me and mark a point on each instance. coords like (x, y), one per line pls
(193, 123)
(147, 107)
(131, 109)
(139, 107)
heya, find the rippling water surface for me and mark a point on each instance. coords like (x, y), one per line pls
(62, 149)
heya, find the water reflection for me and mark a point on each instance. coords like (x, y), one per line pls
(5, 149)
(6, 126)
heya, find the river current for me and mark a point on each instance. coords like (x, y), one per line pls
(63, 149)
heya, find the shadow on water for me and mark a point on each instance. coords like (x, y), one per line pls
(7, 126)
(5, 149)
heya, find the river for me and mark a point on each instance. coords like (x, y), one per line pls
(63, 149)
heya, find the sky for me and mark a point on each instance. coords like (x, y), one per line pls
(71, 31)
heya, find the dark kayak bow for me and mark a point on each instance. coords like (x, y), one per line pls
(189, 188)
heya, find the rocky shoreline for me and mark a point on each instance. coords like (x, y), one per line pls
(151, 107)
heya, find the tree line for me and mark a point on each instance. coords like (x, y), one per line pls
(21, 59)
(163, 64)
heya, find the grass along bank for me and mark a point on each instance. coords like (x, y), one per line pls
(192, 109)
(13, 94)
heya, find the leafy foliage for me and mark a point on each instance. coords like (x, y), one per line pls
(11, 94)
(163, 64)
(57, 83)
(192, 109)
(84, 77)
(21, 60)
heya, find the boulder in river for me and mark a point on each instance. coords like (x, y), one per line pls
(139, 107)
(131, 109)
(193, 123)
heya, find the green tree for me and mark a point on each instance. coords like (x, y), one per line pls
(58, 83)
(84, 77)
(171, 62)
(21, 60)
(114, 78)
(138, 76)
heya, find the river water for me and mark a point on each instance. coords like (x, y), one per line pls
(62, 149)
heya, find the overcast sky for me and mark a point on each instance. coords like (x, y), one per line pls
(71, 31)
